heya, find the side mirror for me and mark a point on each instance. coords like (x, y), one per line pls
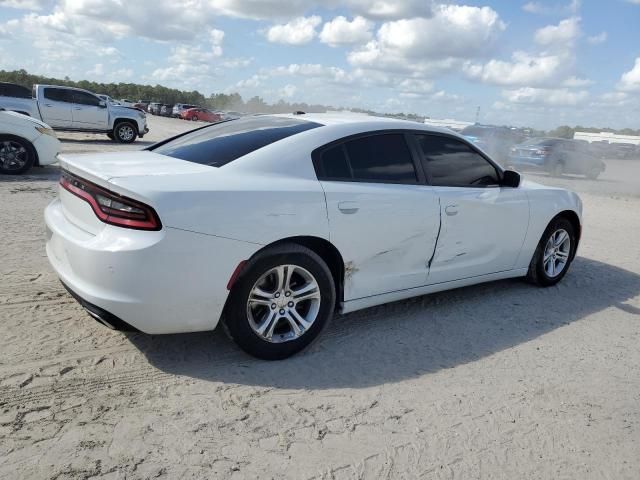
(511, 178)
(102, 104)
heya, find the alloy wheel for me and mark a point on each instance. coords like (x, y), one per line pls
(556, 253)
(283, 304)
(13, 155)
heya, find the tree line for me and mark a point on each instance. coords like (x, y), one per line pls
(234, 101)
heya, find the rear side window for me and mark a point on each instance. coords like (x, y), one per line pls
(452, 163)
(11, 90)
(222, 143)
(374, 158)
(58, 95)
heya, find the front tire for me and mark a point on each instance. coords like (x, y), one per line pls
(554, 253)
(125, 132)
(594, 173)
(281, 302)
(17, 155)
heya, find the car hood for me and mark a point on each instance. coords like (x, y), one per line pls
(123, 110)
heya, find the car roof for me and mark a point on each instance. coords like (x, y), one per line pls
(376, 123)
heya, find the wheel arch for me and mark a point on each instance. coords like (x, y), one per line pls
(119, 120)
(574, 219)
(321, 247)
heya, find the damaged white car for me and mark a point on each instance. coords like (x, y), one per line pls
(271, 223)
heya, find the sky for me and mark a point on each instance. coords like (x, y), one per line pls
(523, 63)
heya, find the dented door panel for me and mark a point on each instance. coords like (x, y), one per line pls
(385, 232)
(482, 231)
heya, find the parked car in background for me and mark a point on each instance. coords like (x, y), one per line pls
(179, 107)
(78, 110)
(126, 102)
(154, 108)
(166, 110)
(16, 98)
(557, 156)
(496, 141)
(624, 151)
(25, 142)
(200, 114)
(278, 220)
(107, 98)
(600, 149)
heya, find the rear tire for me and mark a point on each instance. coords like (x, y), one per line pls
(125, 132)
(554, 254)
(594, 173)
(17, 155)
(266, 316)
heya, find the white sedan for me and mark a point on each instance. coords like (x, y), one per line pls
(271, 223)
(25, 142)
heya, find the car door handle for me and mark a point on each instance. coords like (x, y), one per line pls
(451, 210)
(348, 208)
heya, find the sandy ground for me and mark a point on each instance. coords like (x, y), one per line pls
(502, 380)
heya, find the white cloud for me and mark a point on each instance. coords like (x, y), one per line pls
(546, 96)
(298, 31)
(630, 81)
(543, 9)
(25, 4)
(97, 70)
(341, 31)
(431, 45)
(288, 91)
(524, 70)
(562, 35)
(598, 39)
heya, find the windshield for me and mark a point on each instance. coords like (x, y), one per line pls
(225, 142)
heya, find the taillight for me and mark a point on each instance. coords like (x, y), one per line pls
(110, 207)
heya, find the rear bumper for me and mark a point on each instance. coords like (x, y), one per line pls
(169, 281)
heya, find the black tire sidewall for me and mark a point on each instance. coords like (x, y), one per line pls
(117, 128)
(539, 274)
(235, 316)
(31, 161)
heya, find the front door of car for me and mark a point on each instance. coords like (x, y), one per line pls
(381, 218)
(483, 223)
(89, 112)
(55, 107)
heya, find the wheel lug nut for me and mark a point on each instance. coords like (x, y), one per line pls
(277, 295)
(287, 294)
(273, 306)
(282, 311)
(290, 304)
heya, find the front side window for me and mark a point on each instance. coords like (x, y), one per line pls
(84, 98)
(452, 163)
(224, 142)
(58, 95)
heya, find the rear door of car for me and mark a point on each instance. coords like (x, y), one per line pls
(382, 217)
(483, 222)
(89, 112)
(55, 107)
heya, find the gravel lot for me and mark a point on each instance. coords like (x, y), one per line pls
(501, 380)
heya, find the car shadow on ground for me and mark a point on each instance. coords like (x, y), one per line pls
(50, 173)
(409, 338)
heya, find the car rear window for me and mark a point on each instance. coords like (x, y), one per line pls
(222, 143)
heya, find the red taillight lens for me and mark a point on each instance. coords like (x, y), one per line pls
(110, 207)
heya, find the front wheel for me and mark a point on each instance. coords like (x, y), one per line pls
(17, 155)
(194, 118)
(125, 132)
(281, 302)
(554, 253)
(594, 173)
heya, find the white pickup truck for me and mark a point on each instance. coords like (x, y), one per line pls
(76, 110)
